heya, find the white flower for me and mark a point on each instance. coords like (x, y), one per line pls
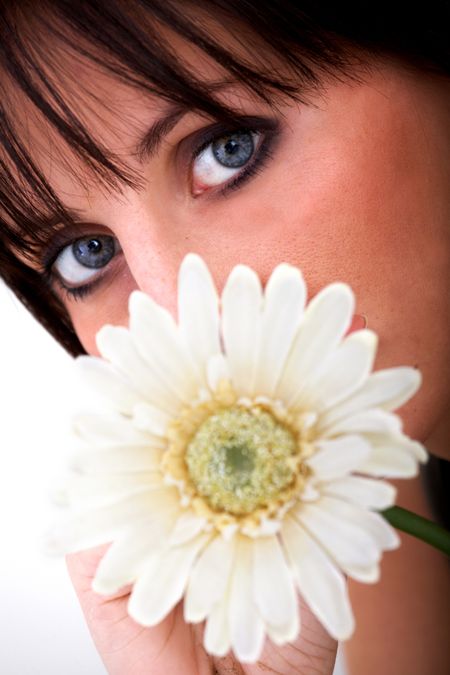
(241, 459)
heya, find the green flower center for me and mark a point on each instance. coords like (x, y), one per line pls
(241, 459)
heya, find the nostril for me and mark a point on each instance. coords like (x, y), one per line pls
(359, 322)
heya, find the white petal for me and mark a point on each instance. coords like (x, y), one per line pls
(266, 528)
(246, 625)
(117, 460)
(209, 579)
(159, 343)
(217, 370)
(198, 310)
(273, 588)
(345, 540)
(110, 430)
(284, 302)
(99, 526)
(399, 442)
(380, 529)
(157, 591)
(321, 584)
(151, 419)
(116, 344)
(325, 321)
(336, 458)
(373, 524)
(114, 389)
(88, 490)
(187, 527)
(282, 634)
(392, 457)
(132, 554)
(374, 420)
(217, 632)
(415, 448)
(387, 389)
(241, 325)
(345, 369)
(365, 492)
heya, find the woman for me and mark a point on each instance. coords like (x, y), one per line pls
(251, 132)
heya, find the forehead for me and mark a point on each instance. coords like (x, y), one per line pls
(106, 98)
(114, 110)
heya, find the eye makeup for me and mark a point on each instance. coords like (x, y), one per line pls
(67, 235)
(190, 147)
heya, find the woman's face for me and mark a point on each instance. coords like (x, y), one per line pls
(352, 186)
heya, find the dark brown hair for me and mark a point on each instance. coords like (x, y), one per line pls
(310, 37)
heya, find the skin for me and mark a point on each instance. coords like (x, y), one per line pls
(357, 190)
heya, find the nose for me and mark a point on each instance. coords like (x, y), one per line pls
(152, 250)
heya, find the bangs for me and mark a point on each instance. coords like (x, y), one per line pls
(271, 53)
(40, 47)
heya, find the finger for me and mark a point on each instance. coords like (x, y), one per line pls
(313, 650)
(82, 567)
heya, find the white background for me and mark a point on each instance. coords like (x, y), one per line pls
(42, 631)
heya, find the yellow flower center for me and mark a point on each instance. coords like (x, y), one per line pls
(238, 459)
(238, 464)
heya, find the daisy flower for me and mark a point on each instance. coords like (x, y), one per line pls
(240, 460)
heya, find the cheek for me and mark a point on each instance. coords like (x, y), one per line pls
(110, 306)
(344, 203)
(372, 214)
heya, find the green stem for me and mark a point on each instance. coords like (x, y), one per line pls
(419, 527)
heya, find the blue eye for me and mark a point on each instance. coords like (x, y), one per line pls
(224, 158)
(82, 259)
(94, 252)
(234, 150)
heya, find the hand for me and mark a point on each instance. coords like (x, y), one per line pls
(174, 647)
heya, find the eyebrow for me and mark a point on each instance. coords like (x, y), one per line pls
(151, 141)
(55, 220)
(146, 147)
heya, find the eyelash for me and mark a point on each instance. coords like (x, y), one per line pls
(263, 154)
(79, 292)
(270, 129)
(57, 245)
(256, 167)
